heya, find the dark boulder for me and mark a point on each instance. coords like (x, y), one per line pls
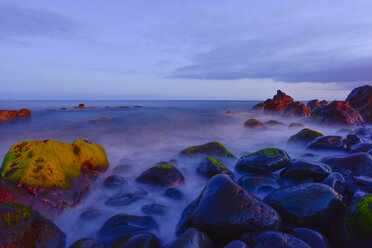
(155, 209)
(366, 112)
(163, 175)
(300, 170)
(8, 115)
(210, 166)
(296, 109)
(259, 184)
(264, 160)
(208, 149)
(304, 136)
(87, 243)
(361, 147)
(273, 123)
(296, 125)
(224, 211)
(192, 238)
(315, 103)
(20, 226)
(313, 238)
(274, 240)
(337, 113)
(142, 240)
(360, 164)
(352, 139)
(253, 123)
(174, 194)
(364, 133)
(329, 142)
(114, 181)
(312, 205)
(236, 244)
(126, 196)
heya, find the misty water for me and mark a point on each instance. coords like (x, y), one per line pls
(141, 137)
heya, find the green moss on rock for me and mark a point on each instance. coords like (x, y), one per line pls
(211, 148)
(50, 163)
(216, 162)
(266, 151)
(304, 136)
(359, 219)
(18, 213)
(164, 166)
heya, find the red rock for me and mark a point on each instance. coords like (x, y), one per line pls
(279, 102)
(7, 115)
(337, 112)
(297, 109)
(253, 123)
(315, 103)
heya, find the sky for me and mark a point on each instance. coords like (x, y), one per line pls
(184, 49)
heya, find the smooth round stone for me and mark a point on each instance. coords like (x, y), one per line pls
(236, 244)
(331, 142)
(87, 243)
(300, 170)
(192, 238)
(360, 164)
(114, 181)
(352, 139)
(313, 238)
(162, 175)
(258, 184)
(174, 194)
(210, 167)
(126, 196)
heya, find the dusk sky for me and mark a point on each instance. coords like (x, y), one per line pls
(184, 49)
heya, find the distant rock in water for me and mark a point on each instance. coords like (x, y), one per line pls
(296, 109)
(253, 123)
(7, 115)
(279, 102)
(23, 227)
(163, 175)
(361, 99)
(336, 113)
(50, 175)
(208, 149)
(315, 103)
(273, 123)
(296, 125)
(138, 106)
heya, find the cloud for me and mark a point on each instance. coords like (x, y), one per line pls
(16, 21)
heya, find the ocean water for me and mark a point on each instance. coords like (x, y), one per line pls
(141, 137)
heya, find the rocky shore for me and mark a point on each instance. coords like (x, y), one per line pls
(269, 199)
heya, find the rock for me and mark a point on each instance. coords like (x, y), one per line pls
(236, 244)
(191, 238)
(54, 175)
(352, 139)
(265, 160)
(360, 164)
(208, 149)
(361, 147)
(364, 133)
(163, 175)
(273, 123)
(258, 107)
(366, 112)
(90, 214)
(22, 227)
(229, 112)
(312, 205)
(155, 209)
(138, 106)
(259, 184)
(122, 168)
(253, 123)
(100, 120)
(123, 107)
(304, 136)
(358, 222)
(81, 105)
(315, 103)
(300, 170)
(333, 180)
(296, 109)
(279, 102)
(142, 240)
(295, 125)
(275, 240)
(224, 211)
(329, 142)
(7, 115)
(174, 194)
(126, 196)
(361, 99)
(114, 181)
(123, 226)
(87, 243)
(337, 113)
(210, 166)
(313, 238)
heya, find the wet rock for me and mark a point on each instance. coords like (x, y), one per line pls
(279, 102)
(123, 226)
(363, 183)
(259, 184)
(360, 96)
(138, 106)
(90, 214)
(264, 160)
(315, 103)
(126, 196)
(155, 209)
(258, 107)
(224, 211)
(192, 238)
(364, 133)
(163, 175)
(304, 136)
(22, 227)
(210, 166)
(361, 147)
(295, 125)
(253, 123)
(352, 139)
(329, 142)
(122, 168)
(337, 113)
(273, 123)
(335, 180)
(174, 194)
(313, 238)
(360, 164)
(229, 112)
(87, 243)
(114, 181)
(274, 240)
(51, 175)
(366, 112)
(296, 109)
(300, 170)
(312, 205)
(208, 149)
(142, 240)
(236, 244)
(8, 115)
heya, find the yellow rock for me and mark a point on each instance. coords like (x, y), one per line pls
(50, 163)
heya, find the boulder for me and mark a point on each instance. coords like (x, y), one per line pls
(236, 244)
(163, 175)
(87, 243)
(366, 112)
(304, 136)
(296, 124)
(337, 113)
(8, 115)
(300, 170)
(360, 164)
(208, 149)
(224, 211)
(273, 123)
(360, 96)
(364, 133)
(313, 238)
(279, 102)
(23, 227)
(258, 107)
(330, 142)
(259, 184)
(264, 160)
(50, 175)
(312, 205)
(253, 123)
(126, 196)
(210, 166)
(296, 109)
(315, 103)
(114, 181)
(142, 240)
(155, 209)
(192, 238)
(352, 139)
(274, 240)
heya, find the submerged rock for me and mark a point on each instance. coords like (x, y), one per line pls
(312, 205)
(295, 125)
(8, 115)
(300, 170)
(54, 175)
(126, 196)
(360, 164)
(259, 184)
(330, 142)
(87, 243)
(210, 166)
(22, 227)
(224, 211)
(264, 160)
(253, 123)
(192, 238)
(304, 136)
(364, 133)
(337, 113)
(155, 209)
(361, 147)
(208, 149)
(114, 181)
(163, 175)
(174, 194)
(273, 123)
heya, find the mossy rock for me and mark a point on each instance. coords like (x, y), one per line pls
(304, 136)
(211, 166)
(253, 123)
(359, 222)
(162, 174)
(209, 149)
(51, 164)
